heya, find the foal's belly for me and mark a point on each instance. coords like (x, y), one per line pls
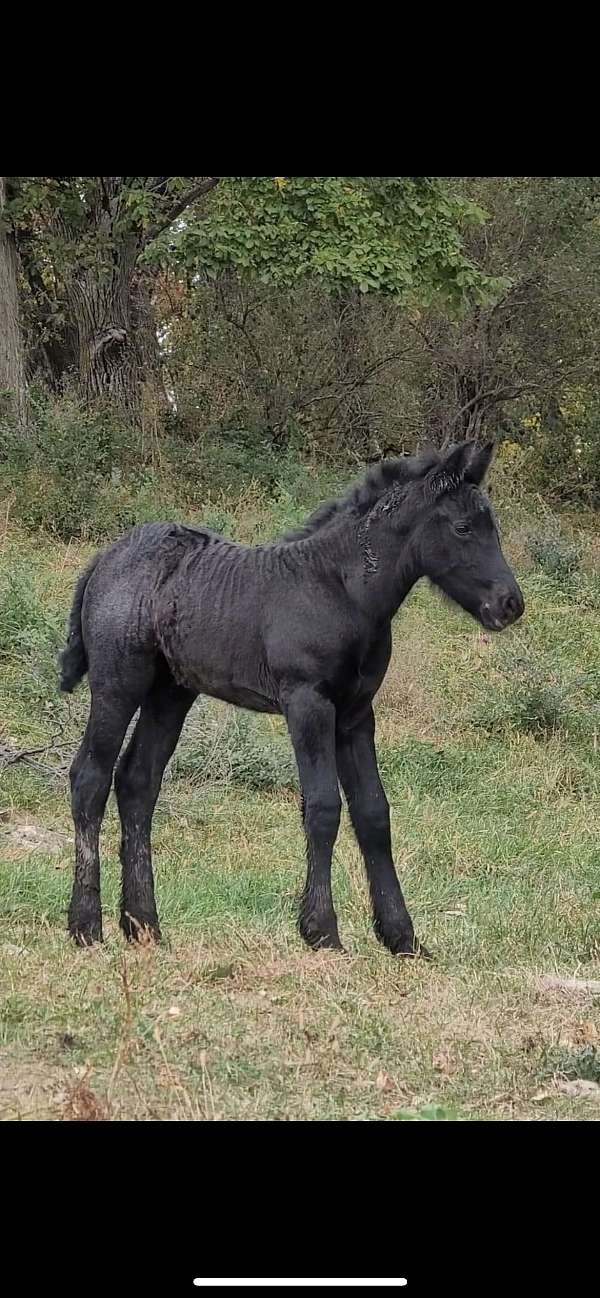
(230, 668)
(241, 696)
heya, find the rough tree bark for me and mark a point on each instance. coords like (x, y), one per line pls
(110, 301)
(88, 297)
(12, 366)
(103, 308)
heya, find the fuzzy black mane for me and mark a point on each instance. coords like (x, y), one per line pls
(361, 497)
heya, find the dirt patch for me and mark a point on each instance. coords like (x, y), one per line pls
(578, 1089)
(34, 1091)
(26, 837)
(30, 1090)
(569, 986)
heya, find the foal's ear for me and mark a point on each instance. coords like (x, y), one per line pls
(479, 463)
(456, 459)
(450, 471)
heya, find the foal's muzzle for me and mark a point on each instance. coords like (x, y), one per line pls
(504, 606)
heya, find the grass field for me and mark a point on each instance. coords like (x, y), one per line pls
(488, 750)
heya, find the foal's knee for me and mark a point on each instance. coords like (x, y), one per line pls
(371, 817)
(377, 818)
(322, 815)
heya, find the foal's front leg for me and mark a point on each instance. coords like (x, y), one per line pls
(370, 816)
(311, 723)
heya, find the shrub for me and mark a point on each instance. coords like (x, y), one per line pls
(534, 695)
(30, 633)
(572, 1065)
(66, 472)
(222, 745)
(557, 557)
(89, 474)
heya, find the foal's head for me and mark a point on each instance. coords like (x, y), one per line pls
(454, 538)
(459, 542)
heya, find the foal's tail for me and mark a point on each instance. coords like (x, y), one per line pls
(73, 659)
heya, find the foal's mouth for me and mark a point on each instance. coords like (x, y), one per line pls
(494, 623)
(503, 613)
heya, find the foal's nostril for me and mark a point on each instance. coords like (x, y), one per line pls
(512, 605)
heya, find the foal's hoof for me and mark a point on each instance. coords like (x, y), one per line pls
(87, 932)
(84, 916)
(318, 937)
(402, 943)
(328, 944)
(146, 932)
(414, 950)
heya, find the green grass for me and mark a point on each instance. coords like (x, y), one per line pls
(488, 749)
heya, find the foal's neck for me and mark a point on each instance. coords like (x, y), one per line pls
(377, 568)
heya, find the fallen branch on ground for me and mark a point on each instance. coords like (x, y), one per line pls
(10, 756)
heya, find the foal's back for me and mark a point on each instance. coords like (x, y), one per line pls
(228, 619)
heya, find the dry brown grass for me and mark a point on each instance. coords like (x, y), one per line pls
(263, 1030)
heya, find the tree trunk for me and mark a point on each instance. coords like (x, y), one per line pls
(91, 296)
(119, 358)
(12, 367)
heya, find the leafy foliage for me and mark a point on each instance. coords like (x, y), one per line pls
(336, 315)
(84, 220)
(393, 234)
(66, 474)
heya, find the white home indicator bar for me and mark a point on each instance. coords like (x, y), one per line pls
(299, 1284)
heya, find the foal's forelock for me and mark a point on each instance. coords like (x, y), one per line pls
(441, 484)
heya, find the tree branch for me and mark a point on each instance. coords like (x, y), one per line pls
(179, 205)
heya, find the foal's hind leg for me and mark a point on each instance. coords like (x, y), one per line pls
(91, 776)
(137, 784)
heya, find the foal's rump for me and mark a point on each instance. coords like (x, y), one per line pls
(112, 626)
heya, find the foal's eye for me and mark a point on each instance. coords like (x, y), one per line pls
(462, 529)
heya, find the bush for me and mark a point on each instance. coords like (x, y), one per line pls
(30, 633)
(572, 1065)
(535, 696)
(586, 435)
(224, 460)
(565, 444)
(223, 745)
(65, 473)
(87, 474)
(80, 473)
(557, 557)
(22, 619)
